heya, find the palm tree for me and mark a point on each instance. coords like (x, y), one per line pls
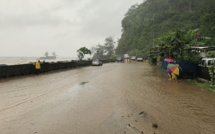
(172, 41)
(176, 42)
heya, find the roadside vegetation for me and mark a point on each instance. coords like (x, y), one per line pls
(212, 75)
(146, 22)
(177, 44)
(169, 29)
(205, 86)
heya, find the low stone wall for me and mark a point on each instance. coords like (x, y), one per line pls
(7, 71)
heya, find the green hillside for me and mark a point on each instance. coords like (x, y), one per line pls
(156, 17)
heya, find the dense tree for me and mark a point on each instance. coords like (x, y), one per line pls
(109, 46)
(99, 51)
(82, 51)
(145, 22)
(105, 51)
(177, 44)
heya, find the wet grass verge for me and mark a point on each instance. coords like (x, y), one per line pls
(203, 85)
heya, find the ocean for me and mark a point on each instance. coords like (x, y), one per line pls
(27, 60)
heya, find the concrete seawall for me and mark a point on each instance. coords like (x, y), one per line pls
(7, 71)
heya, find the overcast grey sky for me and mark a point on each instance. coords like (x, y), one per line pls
(32, 27)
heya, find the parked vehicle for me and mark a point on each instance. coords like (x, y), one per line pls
(97, 62)
(126, 56)
(133, 57)
(206, 62)
(140, 59)
(119, 59)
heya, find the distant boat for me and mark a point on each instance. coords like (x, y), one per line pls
(48, 58)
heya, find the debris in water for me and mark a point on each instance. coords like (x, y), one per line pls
(134, 128)
(154, 125)
(143, 114)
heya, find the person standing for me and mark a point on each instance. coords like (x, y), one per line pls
(126, 56)
(38, 67)
(127, 59)
(169, 72)
(171, 75)
(174, 76)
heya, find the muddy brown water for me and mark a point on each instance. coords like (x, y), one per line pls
(116, 98)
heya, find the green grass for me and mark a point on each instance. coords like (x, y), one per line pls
(205, 86)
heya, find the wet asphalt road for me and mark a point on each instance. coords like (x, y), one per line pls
(116, 98)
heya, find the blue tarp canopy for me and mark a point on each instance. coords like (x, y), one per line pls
(187, 67)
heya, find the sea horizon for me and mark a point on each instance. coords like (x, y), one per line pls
(14, 60)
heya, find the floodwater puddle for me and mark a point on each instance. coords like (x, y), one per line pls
(83, 83)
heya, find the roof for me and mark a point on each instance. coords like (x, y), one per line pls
(203, 47)
(208, 58)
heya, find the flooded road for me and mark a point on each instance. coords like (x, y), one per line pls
(116, 98)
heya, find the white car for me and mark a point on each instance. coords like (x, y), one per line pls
(139, 59)
(133, 57)
(206, 62)
(126, 56)
(97, 62)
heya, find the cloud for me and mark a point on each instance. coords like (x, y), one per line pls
(32, 27)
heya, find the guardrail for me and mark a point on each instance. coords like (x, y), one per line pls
(7, 71)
